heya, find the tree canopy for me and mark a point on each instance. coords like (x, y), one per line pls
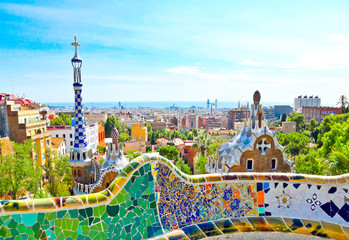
(59, 174)
(181, 165)
(201, 164)
(169, 152)
(113, 122)
(299, 119)
(132, 154)
(62, 119)
(295, 143)
(19, 172)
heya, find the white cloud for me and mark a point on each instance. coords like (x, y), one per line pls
(253, 63)
(184, 70)
(325, 59)
(339, 38)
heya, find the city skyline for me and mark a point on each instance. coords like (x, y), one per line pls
(136, 51)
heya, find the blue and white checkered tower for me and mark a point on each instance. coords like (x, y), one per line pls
(79, 155)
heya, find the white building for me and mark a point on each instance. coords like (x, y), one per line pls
(310, 101)
(67, 133)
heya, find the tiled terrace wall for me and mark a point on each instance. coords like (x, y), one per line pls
(153, 199)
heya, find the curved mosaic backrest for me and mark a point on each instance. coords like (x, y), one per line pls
(152, 198)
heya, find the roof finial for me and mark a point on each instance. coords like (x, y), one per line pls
(76, 44)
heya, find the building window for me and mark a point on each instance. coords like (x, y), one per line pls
(273, 164)
(249, 164)
(56, 135)
(71, 143)
(71, 135)
(63, 135)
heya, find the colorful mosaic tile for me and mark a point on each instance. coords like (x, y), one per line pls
(152, 199)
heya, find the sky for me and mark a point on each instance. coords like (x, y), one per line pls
(176, 50)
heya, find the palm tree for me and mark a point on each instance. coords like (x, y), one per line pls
(343, 102)
(201, 144)
(338, 163)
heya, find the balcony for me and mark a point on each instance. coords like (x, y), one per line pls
(40, 123)
(40, 136)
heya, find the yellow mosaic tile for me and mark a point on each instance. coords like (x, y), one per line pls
(298, 178)
(316, 179)
(177, 235)
(315, 228)
(101, 198)
(334, 230)
(71, 202)
(15, 206)
(243, 225)
(82, 198)
(277, 224)
(44, 204)
(30, 203)
(119, 183)
(260, 224)
(296, 226)
(263, 177)
(346, 230)
(91, 198)
(213, 178)
(106, 193)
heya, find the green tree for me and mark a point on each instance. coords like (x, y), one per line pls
(113, 122)
(200, 164)
(169, 152)
(343, 103)
(62, 119)
(295, 143)
(338, 162)
(201, 144)
(102, 122)
(19, 172)
(101, 149)
(313, 128)
(149, 128)
(124, 137)
(59, 174)
(327, 123)
(132, 154)
(335, 139)
(299, 119)
(283, 117)
(309, 163)
(181, 165)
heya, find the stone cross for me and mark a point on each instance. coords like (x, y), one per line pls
(263, 145)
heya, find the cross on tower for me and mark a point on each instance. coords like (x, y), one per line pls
(76, 44)
(262, 147)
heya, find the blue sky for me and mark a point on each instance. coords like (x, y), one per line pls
(176, 50)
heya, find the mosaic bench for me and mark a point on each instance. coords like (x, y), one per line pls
(151, 198)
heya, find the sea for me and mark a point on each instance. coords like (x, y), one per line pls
(164, 104)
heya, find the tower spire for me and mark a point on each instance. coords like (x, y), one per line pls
(80, 143)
